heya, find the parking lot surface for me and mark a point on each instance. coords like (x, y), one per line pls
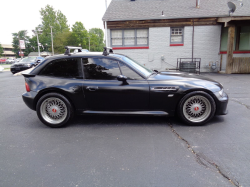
(124, 150)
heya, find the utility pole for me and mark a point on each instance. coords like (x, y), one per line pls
(37, 41)
(52, 41)
(106, 30)
(20, 50)
(89, 43)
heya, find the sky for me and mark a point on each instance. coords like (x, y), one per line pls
(19, 15)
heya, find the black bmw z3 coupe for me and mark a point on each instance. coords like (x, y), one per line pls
(107, 83)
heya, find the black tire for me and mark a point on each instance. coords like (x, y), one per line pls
(196, 108)
(50, 102)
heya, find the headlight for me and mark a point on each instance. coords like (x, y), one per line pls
(28, 65)
(221, 93)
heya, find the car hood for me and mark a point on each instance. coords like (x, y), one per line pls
(187, 80)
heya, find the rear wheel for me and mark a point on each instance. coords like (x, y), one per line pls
(196, 108)
(54, 110)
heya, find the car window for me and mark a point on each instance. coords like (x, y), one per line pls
(130, 74)
(100, 69)
(145, 71)
(28, 59)
(65, 68)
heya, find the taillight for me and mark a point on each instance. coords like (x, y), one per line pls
(27, 87)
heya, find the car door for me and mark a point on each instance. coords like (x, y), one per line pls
(104, 92)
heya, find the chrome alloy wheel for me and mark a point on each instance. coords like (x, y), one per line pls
(53, 110)
(197, 108)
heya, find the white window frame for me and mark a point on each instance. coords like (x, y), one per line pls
(135, 34)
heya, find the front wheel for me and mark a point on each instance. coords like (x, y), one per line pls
(54, 110)
(196, 108)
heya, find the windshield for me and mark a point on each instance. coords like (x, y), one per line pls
(145, 71)
(28, 60)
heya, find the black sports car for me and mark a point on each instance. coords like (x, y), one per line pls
(105, 83)
(25, 63)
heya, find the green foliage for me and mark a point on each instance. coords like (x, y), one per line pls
(79, 35)
(56, 19)
(1, 50)
(96, 39)
(61, 40)
(22, 35)
(62, 21)
(60, 28)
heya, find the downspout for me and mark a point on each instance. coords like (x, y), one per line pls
(193, 43)
(106, 34)
(106, 30)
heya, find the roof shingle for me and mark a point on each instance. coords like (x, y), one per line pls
(173, 9)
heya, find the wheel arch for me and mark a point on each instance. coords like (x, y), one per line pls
(194, 90)
(53, 90)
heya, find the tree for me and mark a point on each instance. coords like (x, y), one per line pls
(96, 39)
(1, 50)
(58, 21)
(79, 35)
(61, 40)
(51, 17)
(21, 35)
(62, 21)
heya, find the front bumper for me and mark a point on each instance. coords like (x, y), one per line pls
(221, 103)
(18, 69)
(29, 98)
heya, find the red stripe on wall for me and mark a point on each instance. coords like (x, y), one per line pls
(176, 44)
(235, 52)
(145, 47)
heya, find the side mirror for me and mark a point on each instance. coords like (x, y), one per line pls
(121, 78)
(38, 61)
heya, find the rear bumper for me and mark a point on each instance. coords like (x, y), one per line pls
(28, 99)
(222, 105)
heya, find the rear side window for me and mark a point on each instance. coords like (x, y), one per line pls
(65, 68)
(100, 68)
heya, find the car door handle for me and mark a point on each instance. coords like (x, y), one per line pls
(92, 88)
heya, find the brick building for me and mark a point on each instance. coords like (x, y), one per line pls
(157, 32)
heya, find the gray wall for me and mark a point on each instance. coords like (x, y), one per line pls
(206, 47)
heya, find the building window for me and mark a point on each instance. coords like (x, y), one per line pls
(129, 37)
(176, 36)
(224, 38)
(244, 38)
(241, 38)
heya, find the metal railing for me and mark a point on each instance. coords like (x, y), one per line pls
(189, 65)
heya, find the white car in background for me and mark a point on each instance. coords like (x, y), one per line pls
(10, 61)
(1, 68)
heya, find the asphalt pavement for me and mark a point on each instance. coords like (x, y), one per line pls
(135, 151)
